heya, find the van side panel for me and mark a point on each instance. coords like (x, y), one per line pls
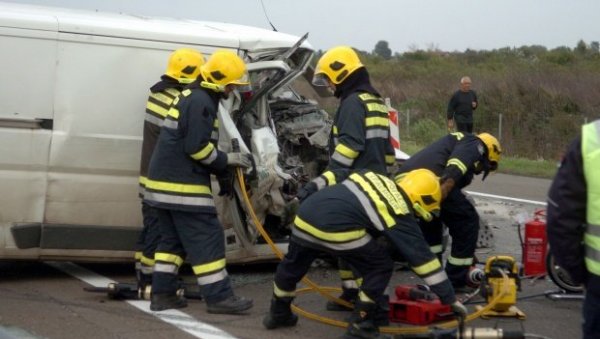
(101, 92)
(27, 78)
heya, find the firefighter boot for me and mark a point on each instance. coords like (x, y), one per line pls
(280, 314)
(230, 305)
(349, 295)
(382, 312)
(362, 323)
(161, 302)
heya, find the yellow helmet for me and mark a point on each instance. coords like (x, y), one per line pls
(184, 64)
(423, 189)
(493, 147)
(224, 68)
(336, 64)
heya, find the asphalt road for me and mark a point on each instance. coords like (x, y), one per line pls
(40, 300)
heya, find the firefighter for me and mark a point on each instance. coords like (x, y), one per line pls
(342, 220)
(178, 186)
(359, 138)
(574, 220)
(183, 68)
(456, 158)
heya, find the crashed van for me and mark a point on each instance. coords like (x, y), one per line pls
(73, 89)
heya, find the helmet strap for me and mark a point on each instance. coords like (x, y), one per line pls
(422, 213)
(211, 86)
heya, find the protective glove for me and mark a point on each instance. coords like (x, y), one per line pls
(306, 190)
(239, 160)
(459, 309)
(225, 180)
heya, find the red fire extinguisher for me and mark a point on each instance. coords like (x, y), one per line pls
(535, 245)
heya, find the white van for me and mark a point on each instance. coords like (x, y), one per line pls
(73, 88)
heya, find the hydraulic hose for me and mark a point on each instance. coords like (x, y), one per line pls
(324, 291)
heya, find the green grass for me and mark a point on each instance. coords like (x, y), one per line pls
(508, 165)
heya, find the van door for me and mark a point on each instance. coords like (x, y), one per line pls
(27, 76)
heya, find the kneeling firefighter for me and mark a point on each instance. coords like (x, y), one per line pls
(339, 219)
(178, 186)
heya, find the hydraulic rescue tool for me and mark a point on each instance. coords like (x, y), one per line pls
(494, 285)
(417, 305)
(124, 291)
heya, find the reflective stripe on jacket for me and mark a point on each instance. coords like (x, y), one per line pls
(360, 134)
(186, 154)
(162, 95)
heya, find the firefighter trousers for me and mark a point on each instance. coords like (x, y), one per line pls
(201, 237)
(462, 220)
(371, 261)
(146, 244)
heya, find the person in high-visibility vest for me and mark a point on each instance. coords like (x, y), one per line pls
(342, 219)
(573, 220)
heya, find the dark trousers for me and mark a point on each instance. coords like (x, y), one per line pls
(150, 235)
(371, 261)
(462, 220)
(201, 236)
(465, 127)
(591, 316)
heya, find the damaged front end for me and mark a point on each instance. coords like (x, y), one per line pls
(287, 136)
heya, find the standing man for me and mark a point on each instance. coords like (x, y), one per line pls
(342, 220)
(461, 107)
(456, 158)
(574, 220)
(183, 68)
(178, 186)
(360, 134)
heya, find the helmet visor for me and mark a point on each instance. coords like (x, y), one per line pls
(243, 80)
(320, 80)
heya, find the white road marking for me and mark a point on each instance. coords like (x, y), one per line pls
(501, 197)
(176, 318)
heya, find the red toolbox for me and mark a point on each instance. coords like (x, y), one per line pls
(416, 305)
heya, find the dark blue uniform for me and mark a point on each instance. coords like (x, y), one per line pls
(162, 95)
(360, 136)
(342, 220)
(456, 156)
(178, 186)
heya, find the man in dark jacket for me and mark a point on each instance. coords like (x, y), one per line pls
(178, 186)
(456, 158)
(342, 219)
(574, 220)
(183, 68)
(461, 107)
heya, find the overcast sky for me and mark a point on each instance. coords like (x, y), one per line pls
(445, 24)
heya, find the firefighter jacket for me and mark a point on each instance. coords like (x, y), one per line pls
(573, 212)
(161, 97)
(186, 154)
(360, 134)
(364, 204)
(457, 156)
